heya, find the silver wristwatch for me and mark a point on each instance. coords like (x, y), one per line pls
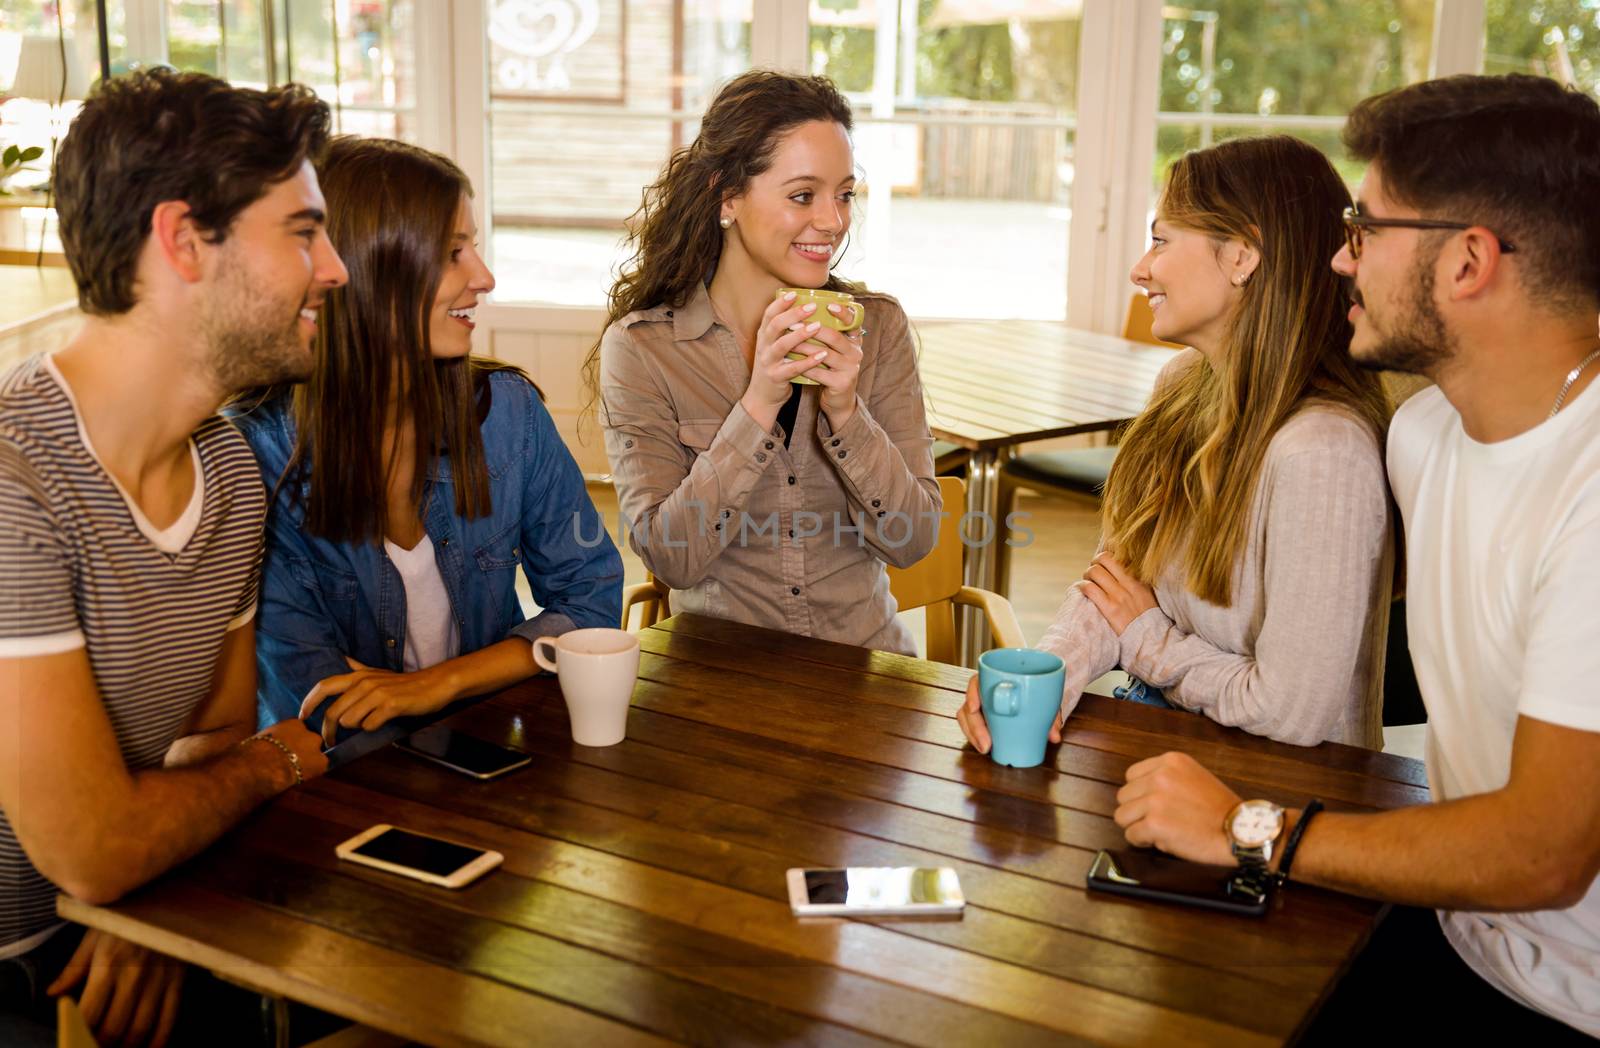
(1253, 829)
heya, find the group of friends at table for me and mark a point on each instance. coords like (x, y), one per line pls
(267, 497)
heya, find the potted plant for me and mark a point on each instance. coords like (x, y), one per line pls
(14, 159)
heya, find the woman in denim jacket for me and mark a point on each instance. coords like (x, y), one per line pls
(410, 480)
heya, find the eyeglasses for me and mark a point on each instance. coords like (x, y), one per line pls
(1356, 225)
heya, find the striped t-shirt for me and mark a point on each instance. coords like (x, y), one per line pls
(81, 567)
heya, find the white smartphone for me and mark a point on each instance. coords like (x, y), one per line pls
(464, 753)
(881, 891)
(430, 859)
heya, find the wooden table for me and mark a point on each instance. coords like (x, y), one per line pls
(993, 385)
(642, 898)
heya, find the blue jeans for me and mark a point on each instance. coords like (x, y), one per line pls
(1138, 691)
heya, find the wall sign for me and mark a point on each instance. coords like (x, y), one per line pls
(549, 49)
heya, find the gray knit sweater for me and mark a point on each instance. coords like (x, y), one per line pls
(1299, 656)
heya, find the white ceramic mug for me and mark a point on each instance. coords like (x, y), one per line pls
(597, 668)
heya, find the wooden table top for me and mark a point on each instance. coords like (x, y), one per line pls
(996, 383)
(643, 900)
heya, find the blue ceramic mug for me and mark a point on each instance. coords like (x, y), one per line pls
(1021, 693)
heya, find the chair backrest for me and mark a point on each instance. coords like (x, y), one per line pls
(937, 576)
(653, 597)
(1137, 324)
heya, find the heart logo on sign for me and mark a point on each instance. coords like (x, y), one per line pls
(537, 28)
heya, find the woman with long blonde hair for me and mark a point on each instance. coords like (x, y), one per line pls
(1247, 556)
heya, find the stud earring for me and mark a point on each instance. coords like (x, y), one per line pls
(1238, 279)
(726, 223)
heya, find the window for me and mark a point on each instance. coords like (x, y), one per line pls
(357, 55)
(49, 55)
(965, 117)
(1554, 38)
(1250, 67)
(964, 121)
(587, 99)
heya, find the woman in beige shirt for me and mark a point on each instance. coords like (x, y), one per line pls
(1247, 558)
(753, 498)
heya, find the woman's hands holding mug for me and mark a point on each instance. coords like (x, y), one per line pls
(784, 329)
(841, 368)
(976, 729)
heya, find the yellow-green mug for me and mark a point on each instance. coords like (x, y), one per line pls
(822, 300)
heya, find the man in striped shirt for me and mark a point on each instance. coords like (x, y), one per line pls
(131, 520)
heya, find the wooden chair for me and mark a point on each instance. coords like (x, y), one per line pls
(934, 583)
(1078, 472)
(653, 598)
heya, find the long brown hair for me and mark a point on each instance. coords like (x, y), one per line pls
(674, 235)
(391, 216)
(1185, 476)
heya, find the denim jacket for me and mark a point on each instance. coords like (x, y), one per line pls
(323, 600)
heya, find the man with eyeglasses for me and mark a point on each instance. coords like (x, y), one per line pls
(1474, 256)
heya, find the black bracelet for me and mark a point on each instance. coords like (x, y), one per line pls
(1294, 838)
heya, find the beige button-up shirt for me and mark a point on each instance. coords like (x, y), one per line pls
(738, 525)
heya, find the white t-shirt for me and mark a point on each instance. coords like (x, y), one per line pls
(1503, 612)
(432, 635)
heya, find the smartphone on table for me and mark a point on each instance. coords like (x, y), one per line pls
(1151, 875)
(464, 753)
(430, 859)
(875, 891)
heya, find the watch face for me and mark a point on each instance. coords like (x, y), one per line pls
(1256, 823)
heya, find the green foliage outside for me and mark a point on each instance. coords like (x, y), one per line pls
(1529, 36)
(1268, 57)
(977, 63)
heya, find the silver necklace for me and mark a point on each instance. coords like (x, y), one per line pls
(1572, 376)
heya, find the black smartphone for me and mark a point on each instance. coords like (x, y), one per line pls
(1151, 875)
(464, 753)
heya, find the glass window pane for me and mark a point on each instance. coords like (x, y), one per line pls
(40, 94)
(1250, 67)
(587, 98)
(965, 146)
(1280, 57)
(194, 36)
(1554, 38)
(359, 55)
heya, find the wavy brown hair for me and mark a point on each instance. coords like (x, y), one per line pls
(158, 135)
(392, 212)
(674, 235)
(1185, 476)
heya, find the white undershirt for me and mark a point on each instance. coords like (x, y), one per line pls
(432, 635)
(172, 538)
